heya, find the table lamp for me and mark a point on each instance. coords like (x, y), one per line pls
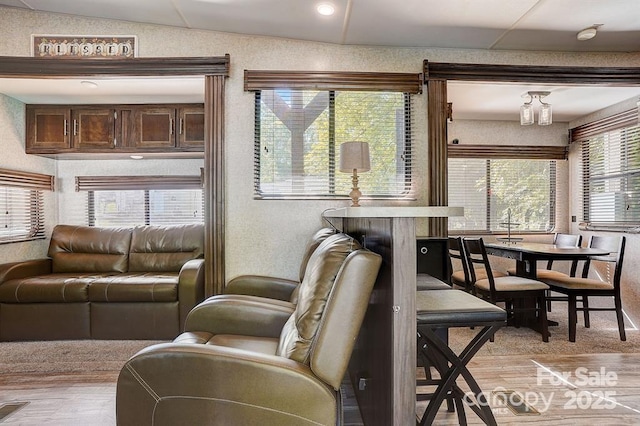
(354, 157)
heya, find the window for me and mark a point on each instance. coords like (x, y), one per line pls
(298, 134)
(142, 200)
(494, 190)
(611, 178)
(301, 118)
(22, 205)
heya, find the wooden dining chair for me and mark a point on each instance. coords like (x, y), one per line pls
(461, 277)
(559, 240)
(579, 289)
(524, 298)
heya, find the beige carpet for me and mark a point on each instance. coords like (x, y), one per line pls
(602, 337)
(67, 356)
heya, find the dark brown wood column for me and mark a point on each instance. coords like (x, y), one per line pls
(437, 153)
(214, 184)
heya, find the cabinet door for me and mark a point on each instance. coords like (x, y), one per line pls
(155, 128)
(93, 129)
(191, 127)
(48, 129)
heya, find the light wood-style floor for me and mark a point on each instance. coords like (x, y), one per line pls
(597, 389)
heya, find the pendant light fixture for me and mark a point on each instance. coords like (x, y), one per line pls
(527, 115)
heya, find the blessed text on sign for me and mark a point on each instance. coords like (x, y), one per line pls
(58, 46)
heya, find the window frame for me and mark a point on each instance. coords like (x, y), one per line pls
(550, 153)
(257, 81)
(91, 184)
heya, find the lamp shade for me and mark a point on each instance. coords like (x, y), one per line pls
(354, 155)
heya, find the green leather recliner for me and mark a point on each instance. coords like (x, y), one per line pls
(258, 361)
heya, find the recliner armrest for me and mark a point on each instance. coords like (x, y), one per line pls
(190, 287)
(240, 314)
(262, 286)
(29, 268)
(208, 384)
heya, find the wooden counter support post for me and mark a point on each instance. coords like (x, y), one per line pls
(383, 365)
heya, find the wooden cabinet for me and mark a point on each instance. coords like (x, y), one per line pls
(93, 129)
(191, 127)
(155, 128)
(48, 129)
(115, 129)
(169, 127)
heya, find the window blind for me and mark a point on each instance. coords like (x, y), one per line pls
(142, 200)
(298, 135)
(611, 178)
(493, 189)
(22, 205)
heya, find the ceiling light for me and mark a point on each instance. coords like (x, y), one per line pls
(89, 84)
(527, 115)
(588, 33)
(326, 9)
(136, 157)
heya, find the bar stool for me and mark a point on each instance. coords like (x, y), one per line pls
(442, 309)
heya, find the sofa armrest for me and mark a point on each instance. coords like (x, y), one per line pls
(240, 314)
(262, 286)
(29, 268)
(190, 287)
(206, 384)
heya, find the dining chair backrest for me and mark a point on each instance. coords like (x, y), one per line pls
(456, 251)
(566, 240)
(615, 245)
(476, 254)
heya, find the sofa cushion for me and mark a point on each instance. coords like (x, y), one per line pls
(165, 248)
(135, 287)
(50, 288)
(89, 249)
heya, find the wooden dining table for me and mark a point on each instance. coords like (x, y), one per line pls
(527, 255)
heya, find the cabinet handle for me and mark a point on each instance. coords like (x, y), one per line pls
(171, 126)
(75, 127)
(181, 125)
(65, 129)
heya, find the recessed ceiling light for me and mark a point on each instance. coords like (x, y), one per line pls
(588, 33)
(326, 9)
(136, 157)
(89, 84)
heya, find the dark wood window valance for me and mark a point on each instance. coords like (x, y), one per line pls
(133, 183)
(530, 73)
(311, 80)
(508, 152)
(31, 67)
(26, 180)
(594, 128)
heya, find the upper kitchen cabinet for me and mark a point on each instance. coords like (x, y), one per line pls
(48, 129)
(70, 130)
(93, 129)
(171, 126)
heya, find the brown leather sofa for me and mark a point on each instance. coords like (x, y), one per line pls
(248, 360)
(105, 283)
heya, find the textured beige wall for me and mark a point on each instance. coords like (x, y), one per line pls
(267, 237)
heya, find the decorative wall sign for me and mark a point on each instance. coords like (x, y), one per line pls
(60, 46)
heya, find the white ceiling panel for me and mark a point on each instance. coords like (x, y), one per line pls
(280, 18)
(160, 12)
